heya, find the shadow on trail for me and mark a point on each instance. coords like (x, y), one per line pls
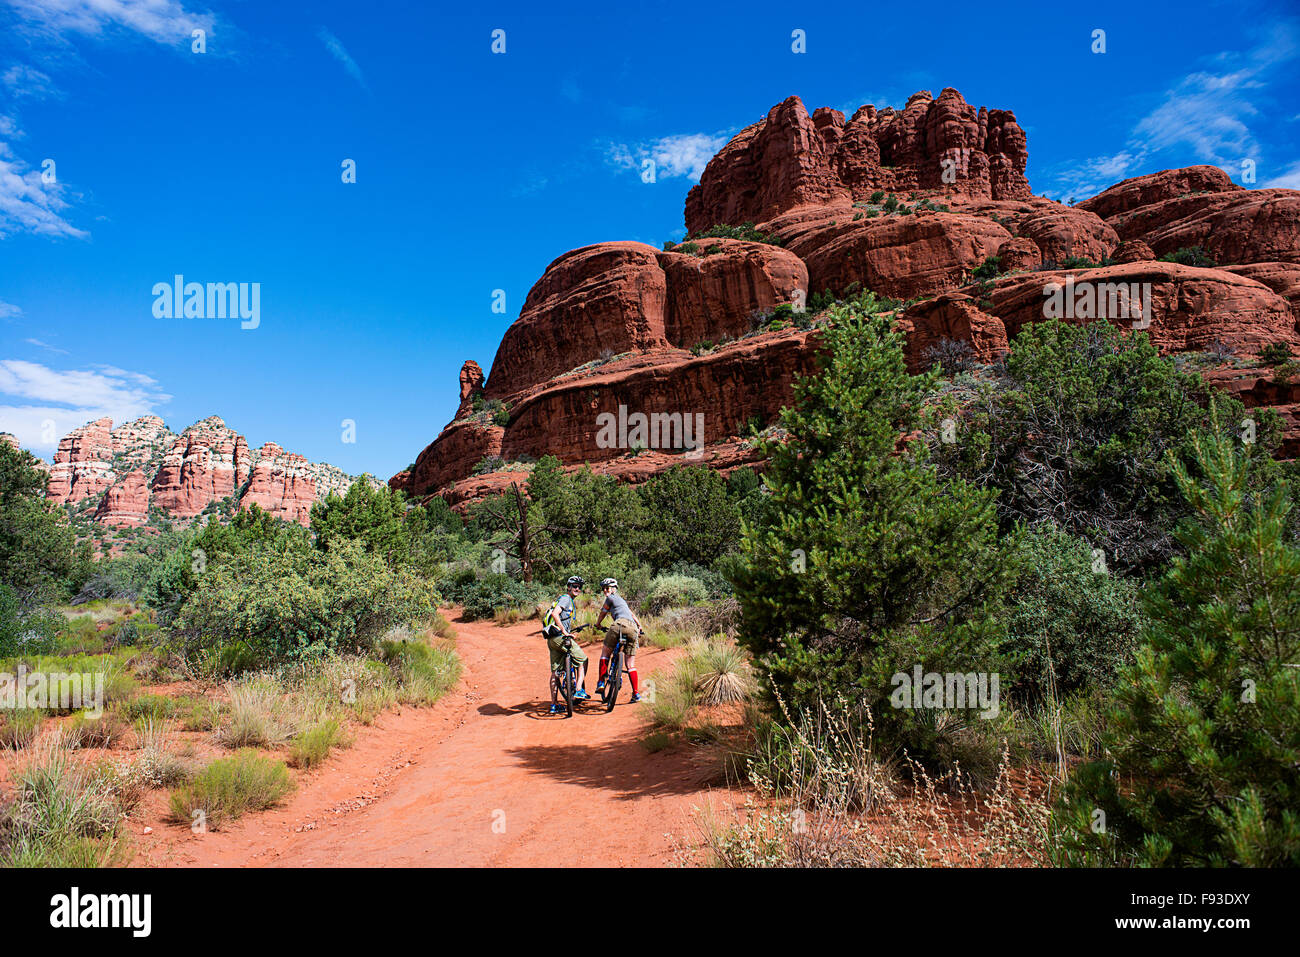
(623, 767)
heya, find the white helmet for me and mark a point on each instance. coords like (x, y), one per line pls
(609, 583)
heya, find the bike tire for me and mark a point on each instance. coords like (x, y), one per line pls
(613, 680)
(568, 687)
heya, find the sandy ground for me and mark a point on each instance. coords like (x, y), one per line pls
(484, 778)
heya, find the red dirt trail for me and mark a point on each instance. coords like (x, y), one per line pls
(484, 778)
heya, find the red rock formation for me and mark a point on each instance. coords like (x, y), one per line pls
(612, 298)
(1200, 206)
(206, 463)
(790, 159)
(1133, 251)
(1190, 308)
(1131, 194)
(953, 316)
(899, 256)
(608, 327)
(471, 384)
(83, 464)
(282, 484)
(126, 502)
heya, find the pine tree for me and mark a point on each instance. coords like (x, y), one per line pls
(1202, 764)
(866, 562)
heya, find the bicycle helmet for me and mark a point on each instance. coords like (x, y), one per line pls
(575, 580)
(609, 583)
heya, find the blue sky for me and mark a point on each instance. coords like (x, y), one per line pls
(475, 170)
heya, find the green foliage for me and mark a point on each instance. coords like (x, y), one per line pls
(868, 562)
(689, 516)
(268, 605)
(988, 269)
(744, 231)
(38, 547)
(1076, 435)
(498, 590)
(1275, 354)
(230, 787)
(1070, 623)
(1189, 256)
(674, 591)
(420, 537)
(1202, 750)
(25, 629)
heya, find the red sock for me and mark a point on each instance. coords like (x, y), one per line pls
(632, 674)
(604, 666)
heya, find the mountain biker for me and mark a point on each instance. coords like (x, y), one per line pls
(557, 625)
(624, 624)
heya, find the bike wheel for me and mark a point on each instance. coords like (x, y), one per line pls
(613, 680)
(568, 687)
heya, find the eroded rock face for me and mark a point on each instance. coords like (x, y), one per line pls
(791, 159)
(1190, 309)
(126, 502)
(206, 463)
(1200, 206)
(898, 256)
(612, 298)
(281, 484)
(83, 464)
(142, 463)
(954, 317)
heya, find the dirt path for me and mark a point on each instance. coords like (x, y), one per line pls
(485, 778)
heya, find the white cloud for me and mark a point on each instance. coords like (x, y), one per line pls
(1206, 117)
(166, 21)
(9, 311)
(339, 53)
(27, 204)
(1290, 178)
(45, 345)
(685, 154)
(59, 401)
(22, 80)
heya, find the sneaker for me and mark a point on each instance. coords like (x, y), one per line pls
(636, 698)
(555, 709)
(581, 695)
(600, 686)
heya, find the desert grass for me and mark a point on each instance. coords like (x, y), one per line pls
(313, 746)
(230, 787)
(64, 814)
(824, 798)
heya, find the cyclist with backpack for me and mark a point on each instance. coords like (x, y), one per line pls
(557, 625)
(624, 624)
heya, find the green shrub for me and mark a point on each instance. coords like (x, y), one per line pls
(1275, 353)
(1202, 750)
(498, 590)
(230, 787)
(1189, 256)
(272, 606)
(669, 591)
(313, 746)
(20, 727)
(1071, 624)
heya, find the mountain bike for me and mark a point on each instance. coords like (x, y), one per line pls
(614, 674)
(565, 675)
